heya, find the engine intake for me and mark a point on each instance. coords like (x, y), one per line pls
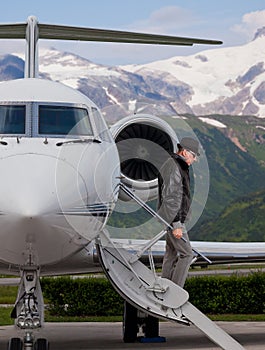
(144, 142)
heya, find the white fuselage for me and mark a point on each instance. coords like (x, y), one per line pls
(56, 191)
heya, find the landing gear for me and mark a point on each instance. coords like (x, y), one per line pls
(15, 344)
(28, 312)
(41, 344)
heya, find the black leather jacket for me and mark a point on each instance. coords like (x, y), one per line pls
(174, 198)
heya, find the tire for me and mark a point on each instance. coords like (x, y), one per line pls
(15, 344)
(41, 344)
(130, 327)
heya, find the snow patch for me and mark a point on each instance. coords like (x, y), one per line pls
(213, 122)
(73, 83)
(178, 117)
(111, 97)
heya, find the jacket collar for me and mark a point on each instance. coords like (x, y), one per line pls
(181, 160)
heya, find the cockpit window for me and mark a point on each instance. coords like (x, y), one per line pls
(102, 130)
(63, 120)
(12, 119)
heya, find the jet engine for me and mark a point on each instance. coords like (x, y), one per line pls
(144, 143)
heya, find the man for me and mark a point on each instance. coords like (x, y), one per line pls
(174, 203)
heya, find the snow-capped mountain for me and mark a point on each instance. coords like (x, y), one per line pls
(217, 81)
(106, 86)
(224, 80)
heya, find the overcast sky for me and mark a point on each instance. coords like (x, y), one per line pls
(232, 21)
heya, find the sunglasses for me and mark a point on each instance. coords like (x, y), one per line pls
(192, 153)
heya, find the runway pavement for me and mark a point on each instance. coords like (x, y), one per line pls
(108, 336)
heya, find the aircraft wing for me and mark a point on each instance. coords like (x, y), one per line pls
(91, 34)
(217, 252)
(87, 260)
(61, 32)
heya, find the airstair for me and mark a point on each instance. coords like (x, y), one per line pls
(154, 295)
(158, 297)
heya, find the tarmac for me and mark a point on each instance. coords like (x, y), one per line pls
(108, 336)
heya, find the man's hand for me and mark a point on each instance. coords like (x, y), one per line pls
(177, 232)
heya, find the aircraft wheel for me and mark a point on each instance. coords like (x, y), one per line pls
(41, 344)
(130, 327)
(15, 344)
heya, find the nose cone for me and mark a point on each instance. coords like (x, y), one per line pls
(34, 191)
(34, 185)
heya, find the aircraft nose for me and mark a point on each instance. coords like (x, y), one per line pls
(33, 185)
(34, 191)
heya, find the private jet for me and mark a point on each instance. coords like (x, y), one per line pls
(63, 171)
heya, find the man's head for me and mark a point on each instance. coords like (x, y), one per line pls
(188, 148)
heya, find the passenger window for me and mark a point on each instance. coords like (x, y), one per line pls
(12, 119)
(64, 120)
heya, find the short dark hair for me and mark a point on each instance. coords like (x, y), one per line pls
(180, 148)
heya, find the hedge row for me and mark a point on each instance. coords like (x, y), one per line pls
(228, 294)
(211, 294)
(81, 297)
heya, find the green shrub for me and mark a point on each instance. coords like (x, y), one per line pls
(211, 294)
(228, 294)
(81, 297)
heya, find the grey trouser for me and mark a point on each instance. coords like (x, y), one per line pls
(177, 258)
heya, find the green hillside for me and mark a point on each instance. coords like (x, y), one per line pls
(232, 170)
(242, 220)
(250, 132)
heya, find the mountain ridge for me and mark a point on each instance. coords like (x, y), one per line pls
(223, 80)
(226, 80)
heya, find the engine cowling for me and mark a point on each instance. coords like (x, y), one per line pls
(144, 142)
